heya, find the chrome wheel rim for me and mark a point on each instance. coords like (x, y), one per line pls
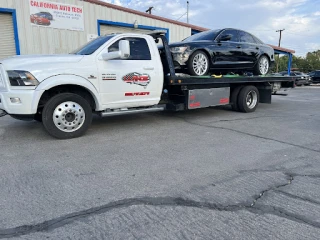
(264, 65)
(68, 116)
(200, 64)
(252, 99)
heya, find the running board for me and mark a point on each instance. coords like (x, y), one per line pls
(130, 111)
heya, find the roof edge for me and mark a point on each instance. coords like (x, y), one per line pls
(282, 49)
(109, 5)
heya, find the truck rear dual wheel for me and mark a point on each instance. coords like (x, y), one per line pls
(248, 99)
(245, 99)
(66, 115)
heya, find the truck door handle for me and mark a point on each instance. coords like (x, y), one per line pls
(148, 68)
(238, 46)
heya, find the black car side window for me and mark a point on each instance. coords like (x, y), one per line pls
(246, 37)
(139, 49)
(233, 34)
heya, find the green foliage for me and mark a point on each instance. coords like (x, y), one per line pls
(304, 64)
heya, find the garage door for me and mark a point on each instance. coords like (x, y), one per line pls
(7, 43)
(108, 29)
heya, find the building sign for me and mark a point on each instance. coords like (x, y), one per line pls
(56, 15)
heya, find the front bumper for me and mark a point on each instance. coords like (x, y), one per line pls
(20, 101)
(181, 58)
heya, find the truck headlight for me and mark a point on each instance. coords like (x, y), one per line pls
(21, 78)
(178, 49)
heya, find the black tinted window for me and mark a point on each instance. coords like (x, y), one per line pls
(139, 49)
(207, 35)
(246, 37)
(233, 34)
(317, 74)
(257, 40)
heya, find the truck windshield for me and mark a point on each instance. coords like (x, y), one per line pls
(92, 46)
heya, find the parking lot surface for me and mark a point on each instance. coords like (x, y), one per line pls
(203, 174)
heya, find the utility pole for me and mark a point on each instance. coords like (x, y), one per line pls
(279, 31)
(187, 11)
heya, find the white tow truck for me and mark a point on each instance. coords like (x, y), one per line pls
(117, 74)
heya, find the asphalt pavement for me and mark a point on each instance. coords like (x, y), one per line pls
(203, 174)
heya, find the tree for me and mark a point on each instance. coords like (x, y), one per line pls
(304, 64)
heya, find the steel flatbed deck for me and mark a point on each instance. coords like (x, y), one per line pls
(183, 80)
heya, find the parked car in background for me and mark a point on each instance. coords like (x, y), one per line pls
(315, 76)
(302, 78)
(39, 19)
(222, 50)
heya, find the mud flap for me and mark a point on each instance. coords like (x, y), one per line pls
(265, 93)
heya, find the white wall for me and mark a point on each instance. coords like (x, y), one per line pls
(46, 40)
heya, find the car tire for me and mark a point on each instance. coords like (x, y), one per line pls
(198, 64)
(248, 99)
(262, 67)
(67, 115)
(234, 98)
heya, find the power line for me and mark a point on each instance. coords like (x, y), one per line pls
(181, 16)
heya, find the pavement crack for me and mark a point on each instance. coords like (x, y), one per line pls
(52, 224)
(285, 214)
(297, 197)
(61, 221)
(271, 188)
(251, 135)
(55, 223)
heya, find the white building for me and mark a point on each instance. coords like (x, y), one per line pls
(25, 29)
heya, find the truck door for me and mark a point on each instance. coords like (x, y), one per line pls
(131, 82)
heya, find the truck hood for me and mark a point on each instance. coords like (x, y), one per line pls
(25, 62)
(44, 66)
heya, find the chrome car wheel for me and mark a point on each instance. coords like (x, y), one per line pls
(68, 116)
(200, 64)
(263, 65)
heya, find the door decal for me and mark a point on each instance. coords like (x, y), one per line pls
(137, 78)
(109, 76)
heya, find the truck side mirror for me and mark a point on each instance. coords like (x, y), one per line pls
(124, 48)
(123, 53)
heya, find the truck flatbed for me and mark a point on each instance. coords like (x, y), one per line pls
(183, 80)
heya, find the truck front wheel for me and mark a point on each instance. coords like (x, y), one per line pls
(248, 99)
(66, 115)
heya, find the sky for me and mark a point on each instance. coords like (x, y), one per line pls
(299, 18)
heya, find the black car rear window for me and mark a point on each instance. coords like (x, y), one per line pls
(207, 35)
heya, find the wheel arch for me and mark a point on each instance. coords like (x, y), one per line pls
(67, 83)
(207, 52)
